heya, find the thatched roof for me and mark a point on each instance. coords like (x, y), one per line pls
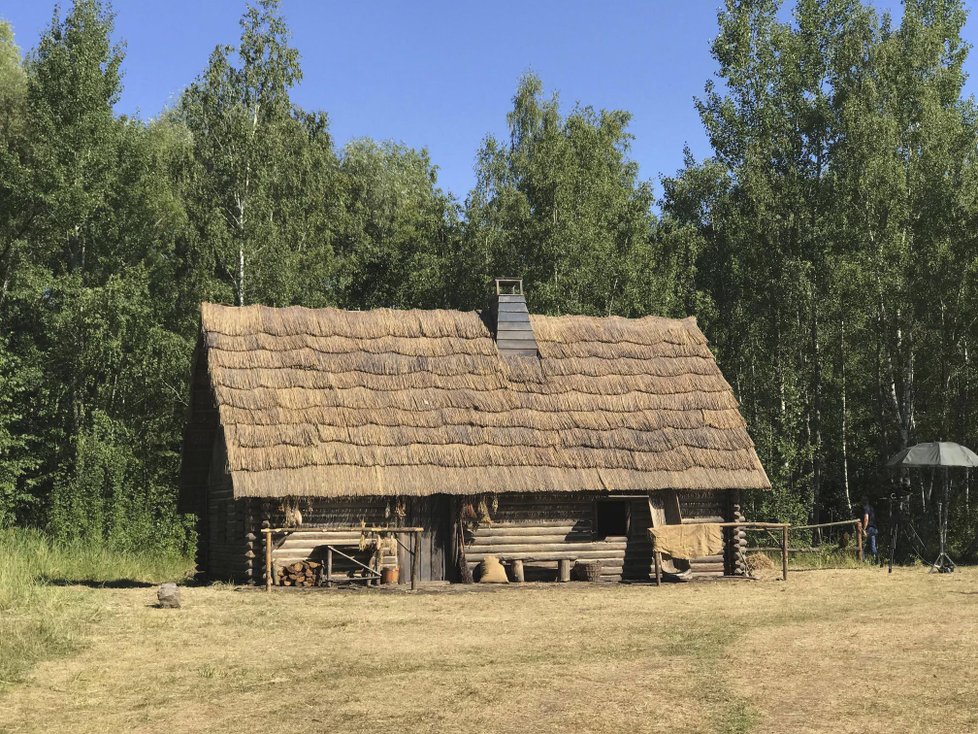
(328, 402)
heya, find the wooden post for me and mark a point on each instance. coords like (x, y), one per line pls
(784, 553)
(859, 540)
(268, 559)
(415, 557)
(378, 559)
(563, 570)
(658, 568)
(250, 538)
(518, 575)
(329, 566)
(265, 527)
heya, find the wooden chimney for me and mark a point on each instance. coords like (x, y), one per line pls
(514, 333)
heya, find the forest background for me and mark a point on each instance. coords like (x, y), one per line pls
(828, 245)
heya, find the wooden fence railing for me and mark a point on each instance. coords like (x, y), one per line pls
(818, 526)
(783, 526)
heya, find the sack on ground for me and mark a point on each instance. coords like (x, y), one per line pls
(491, 571)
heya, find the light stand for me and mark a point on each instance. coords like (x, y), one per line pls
(894, 528)
(943, 564)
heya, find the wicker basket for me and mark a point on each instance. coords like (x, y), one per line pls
(586, 571)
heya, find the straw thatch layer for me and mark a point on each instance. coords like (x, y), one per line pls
(331, 403)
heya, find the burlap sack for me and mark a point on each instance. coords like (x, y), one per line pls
(688, 541)
(491, 571)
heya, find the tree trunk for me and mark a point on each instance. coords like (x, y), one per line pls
(845, 453)
(241, 275)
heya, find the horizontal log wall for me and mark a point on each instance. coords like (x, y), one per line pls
(310, 543)
(706, 506)
(541, 529)
(226, 524)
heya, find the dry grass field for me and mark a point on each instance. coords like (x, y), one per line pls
(830, 651)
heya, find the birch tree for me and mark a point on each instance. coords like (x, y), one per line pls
(261, 189)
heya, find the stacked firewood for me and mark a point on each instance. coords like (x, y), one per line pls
(300, 573)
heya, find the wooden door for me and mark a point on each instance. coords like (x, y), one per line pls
(432, 514)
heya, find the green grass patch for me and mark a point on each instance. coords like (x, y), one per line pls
(40, 617)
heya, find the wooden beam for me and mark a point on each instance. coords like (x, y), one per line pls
(784, 553)
(268, 559)
(415, 558)
(518, 574)
(326, 529)
(824, 525)
(563, 569)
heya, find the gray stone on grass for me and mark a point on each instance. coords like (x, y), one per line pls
(169, 596)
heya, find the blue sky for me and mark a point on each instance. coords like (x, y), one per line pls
(441, 75)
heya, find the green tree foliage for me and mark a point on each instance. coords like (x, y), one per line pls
(113, 230)
(399, 229)
(836, 244)
(262, 192)
(561, 205)
(87, 253)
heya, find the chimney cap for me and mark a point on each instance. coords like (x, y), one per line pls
(509, 286)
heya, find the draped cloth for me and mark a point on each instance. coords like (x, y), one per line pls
(688, 541)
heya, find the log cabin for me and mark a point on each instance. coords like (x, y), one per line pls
(538, 439)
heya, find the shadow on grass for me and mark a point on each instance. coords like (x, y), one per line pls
(96, 584)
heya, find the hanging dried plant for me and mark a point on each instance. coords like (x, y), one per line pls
(467, 512)
(483, 513)
(290, 510)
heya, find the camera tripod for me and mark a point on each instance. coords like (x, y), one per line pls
(900, 523)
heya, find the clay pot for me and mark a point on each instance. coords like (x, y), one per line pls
(389, 575)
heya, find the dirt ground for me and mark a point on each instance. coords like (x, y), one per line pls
(830, 651)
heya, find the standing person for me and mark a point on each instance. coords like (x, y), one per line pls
(869, 526)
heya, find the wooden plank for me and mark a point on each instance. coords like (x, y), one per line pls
(784, 553)
(268, 561)
(415, 561)
(308, 538)
(548, 556)
(515, 339)
(708, 567)
(708, 559)
(516, 348)
(441, 537)
(480, 539)
(514, 327)
(503, 548)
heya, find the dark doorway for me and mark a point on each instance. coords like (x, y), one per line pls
(611, 518)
